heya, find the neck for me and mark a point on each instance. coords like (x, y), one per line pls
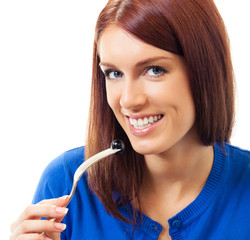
(179, 171)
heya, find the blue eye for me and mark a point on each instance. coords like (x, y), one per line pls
(154, 71)
(112, 74)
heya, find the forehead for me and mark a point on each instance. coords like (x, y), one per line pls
(116, 42)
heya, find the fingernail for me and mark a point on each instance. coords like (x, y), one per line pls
(64, 197)
(46, 238)
(60, 226)
(61, 210)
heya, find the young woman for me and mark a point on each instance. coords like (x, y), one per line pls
(163, 83)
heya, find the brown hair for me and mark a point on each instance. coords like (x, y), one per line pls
(193, 29)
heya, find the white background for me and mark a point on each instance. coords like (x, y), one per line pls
(45, 72)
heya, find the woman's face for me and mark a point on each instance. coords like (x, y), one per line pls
(148, 91)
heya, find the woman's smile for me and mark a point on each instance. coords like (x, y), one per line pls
(148, 91)
(143, 122)
(143, 125)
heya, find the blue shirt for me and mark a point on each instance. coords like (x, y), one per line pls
(221, 210)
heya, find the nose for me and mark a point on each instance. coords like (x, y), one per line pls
(133, 96)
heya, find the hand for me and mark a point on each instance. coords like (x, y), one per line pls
(29, 225)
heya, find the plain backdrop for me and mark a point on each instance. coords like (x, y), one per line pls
(45, 74)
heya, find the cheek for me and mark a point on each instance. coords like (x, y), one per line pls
(186, 101)
(185, 106)
(112, 96)
(176, 94)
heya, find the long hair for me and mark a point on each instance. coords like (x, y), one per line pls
(193, 29)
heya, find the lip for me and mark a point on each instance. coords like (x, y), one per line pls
(137, 115)
(146, 130)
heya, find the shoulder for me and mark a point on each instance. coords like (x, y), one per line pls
(237, 156)
(231, 201)
(237, 166)
(65, 163)
(56, 179)
(237, 151)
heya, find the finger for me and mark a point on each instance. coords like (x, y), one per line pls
(31, 236)
(28, 212)
(61, 201)
(38, 226)
(38, 211)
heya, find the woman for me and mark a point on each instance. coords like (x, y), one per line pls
(163, 83)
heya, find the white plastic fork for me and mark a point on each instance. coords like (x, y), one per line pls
(116, 146)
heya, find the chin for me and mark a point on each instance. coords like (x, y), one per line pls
(146, 149)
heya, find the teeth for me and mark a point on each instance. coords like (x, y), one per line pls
(134, 122)
(131, 121)
(151, 120)
(140, 122)
(145, 122)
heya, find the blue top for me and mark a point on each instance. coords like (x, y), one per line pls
(221, 210)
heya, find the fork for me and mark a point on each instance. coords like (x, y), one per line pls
(115, 147)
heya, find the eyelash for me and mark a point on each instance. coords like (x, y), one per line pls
(108, 71)
(163, 71)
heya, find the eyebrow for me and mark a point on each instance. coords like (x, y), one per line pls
(141, 63)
